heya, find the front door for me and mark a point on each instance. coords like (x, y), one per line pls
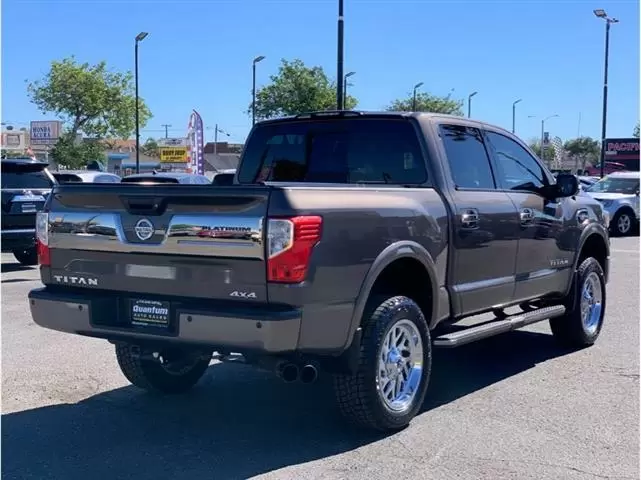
(542, 265)
(485, 229)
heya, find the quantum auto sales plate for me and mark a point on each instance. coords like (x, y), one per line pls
(150, 313)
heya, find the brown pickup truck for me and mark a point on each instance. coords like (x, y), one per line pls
(349, 243)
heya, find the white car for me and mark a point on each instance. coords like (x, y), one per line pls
(619, 195)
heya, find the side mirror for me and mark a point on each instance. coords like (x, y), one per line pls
(567, 185)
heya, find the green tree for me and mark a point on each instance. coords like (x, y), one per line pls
(90, 99)
(635, 133)
(74, 153)
(548, 153)
(297, 89)
(150, 148)
(584, 150)
(426, 102)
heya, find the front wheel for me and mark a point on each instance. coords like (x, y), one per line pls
(389, 385)
(175, 371)
(27, 257)
(622, 223)
(583, 320)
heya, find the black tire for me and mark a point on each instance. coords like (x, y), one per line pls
(152, 376)
(358, 394)
(27, 257)
(618, 216)
(570, 329)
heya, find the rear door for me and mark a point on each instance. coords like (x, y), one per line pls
(542, 266)
(165, 239)
(25, 187)
(485, 225)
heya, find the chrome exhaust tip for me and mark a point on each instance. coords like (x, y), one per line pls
(308, 374)
(289, 372)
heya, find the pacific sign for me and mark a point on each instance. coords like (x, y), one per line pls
(622, 148)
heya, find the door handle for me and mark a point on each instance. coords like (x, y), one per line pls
(527, 216)
(470, 219)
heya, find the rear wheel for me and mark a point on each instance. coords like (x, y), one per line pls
(27, 257)
(389, 386)
(175, 371)
(583, 320)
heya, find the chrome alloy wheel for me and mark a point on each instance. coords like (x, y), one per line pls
(400, 366)
(591, 302)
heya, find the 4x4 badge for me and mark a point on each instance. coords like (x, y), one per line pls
(144, 229)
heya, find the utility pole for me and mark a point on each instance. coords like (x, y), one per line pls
(513, 114)
(600, 13)
(340, 100)
(166, 126)
(139, 38)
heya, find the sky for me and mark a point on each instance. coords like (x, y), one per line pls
(198, 55)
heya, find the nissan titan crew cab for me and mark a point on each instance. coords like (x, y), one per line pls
(350, 243)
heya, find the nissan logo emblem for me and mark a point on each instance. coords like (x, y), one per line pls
(144, 229)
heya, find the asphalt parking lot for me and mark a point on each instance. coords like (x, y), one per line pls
(511, 407)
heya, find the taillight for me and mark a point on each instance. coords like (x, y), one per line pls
(42, 238)
(289, 246)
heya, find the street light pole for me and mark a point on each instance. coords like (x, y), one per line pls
(543, 134)
(256, 60)
(514, 114)
(139, 38)
(469, 104)
(416, 87)
(340, 99)
(347, 75)
(608, 21)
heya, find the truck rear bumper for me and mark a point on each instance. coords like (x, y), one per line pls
(234, 329)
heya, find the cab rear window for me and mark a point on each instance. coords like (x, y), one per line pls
(24, 176)
(340, 150)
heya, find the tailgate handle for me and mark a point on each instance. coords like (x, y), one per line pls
(144, 206)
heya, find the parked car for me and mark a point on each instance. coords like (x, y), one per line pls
(610, 167)
(85, 176)
(26, 183)
(350, 244)
(585, 182)
(619, 195)
(166, 177)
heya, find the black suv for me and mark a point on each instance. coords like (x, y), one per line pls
(26, 183)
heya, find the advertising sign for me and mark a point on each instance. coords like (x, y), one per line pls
(14, 140)
(173, 142)
(173, 154)
(45, 132)
(621, 148)
(546, 140)
(196, 141)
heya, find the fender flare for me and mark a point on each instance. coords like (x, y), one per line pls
(592, 229)
(395, 251)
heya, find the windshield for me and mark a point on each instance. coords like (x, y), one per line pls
(335, 150)
(24, 176)
(615, 185)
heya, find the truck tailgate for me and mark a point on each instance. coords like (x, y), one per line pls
(194, 241)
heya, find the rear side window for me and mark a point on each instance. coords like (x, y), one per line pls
(363, 150)
(467, 157)
(24, 176)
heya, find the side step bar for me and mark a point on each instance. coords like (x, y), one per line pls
(496, 327)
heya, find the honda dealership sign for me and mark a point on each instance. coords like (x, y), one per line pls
(45, 132)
